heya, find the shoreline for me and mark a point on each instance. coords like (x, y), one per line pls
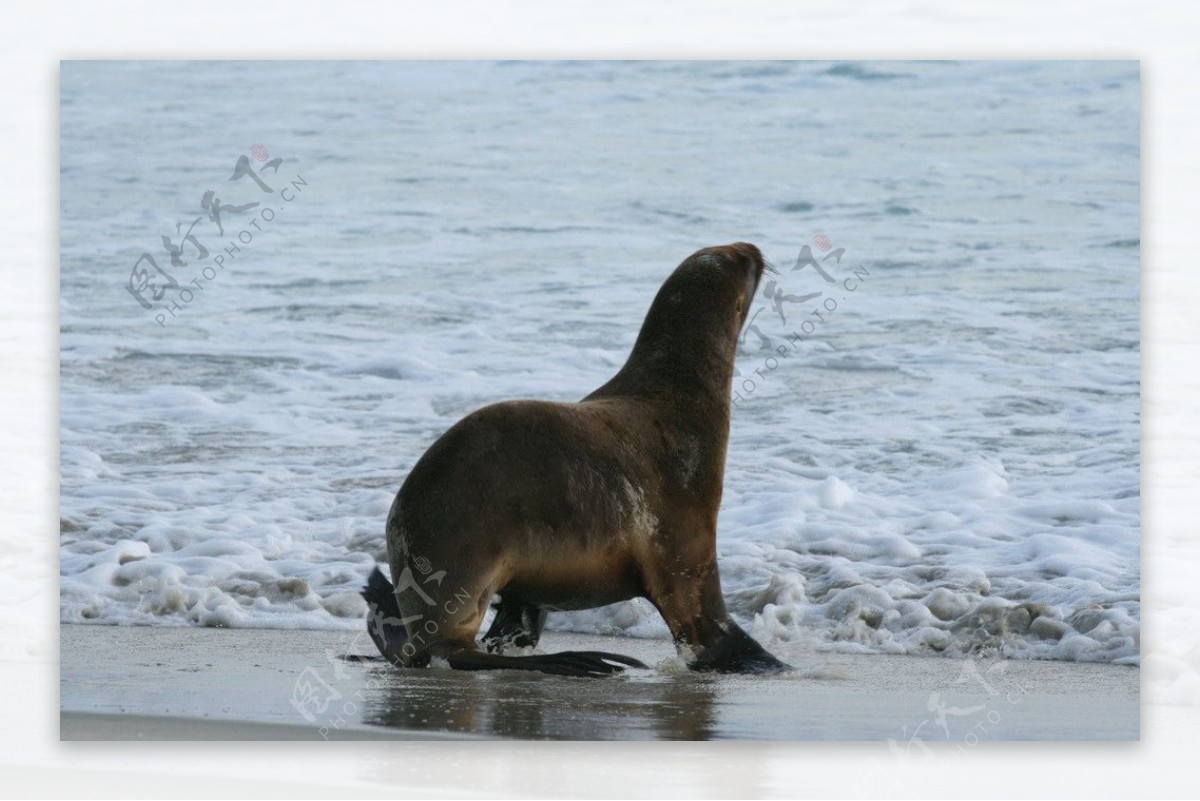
(157, 683)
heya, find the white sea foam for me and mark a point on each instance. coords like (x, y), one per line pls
(948, 461)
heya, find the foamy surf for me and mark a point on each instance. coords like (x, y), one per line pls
(947, 463)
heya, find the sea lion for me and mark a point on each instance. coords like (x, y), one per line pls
(556, 506)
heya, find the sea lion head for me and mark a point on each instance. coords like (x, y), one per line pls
(739, 264)
(713, 288)
(688, 341)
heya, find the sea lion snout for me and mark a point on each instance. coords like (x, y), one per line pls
(746, 251)
(738, 258)
(737, 253)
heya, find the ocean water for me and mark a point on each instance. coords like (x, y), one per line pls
(938, 453)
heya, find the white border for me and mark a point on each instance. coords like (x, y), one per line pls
(34, 38)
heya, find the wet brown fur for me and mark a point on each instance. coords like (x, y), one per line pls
(577, 505)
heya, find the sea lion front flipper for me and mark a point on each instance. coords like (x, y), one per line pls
(735, 651)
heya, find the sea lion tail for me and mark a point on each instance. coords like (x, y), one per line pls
(384, 622)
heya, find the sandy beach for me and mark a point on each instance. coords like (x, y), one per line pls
(153, 683)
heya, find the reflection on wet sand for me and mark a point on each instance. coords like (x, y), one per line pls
(534, 706)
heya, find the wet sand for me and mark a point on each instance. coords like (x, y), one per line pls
(131, 683)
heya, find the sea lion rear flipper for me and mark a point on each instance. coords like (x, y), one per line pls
(516, 624)
(584, 664)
